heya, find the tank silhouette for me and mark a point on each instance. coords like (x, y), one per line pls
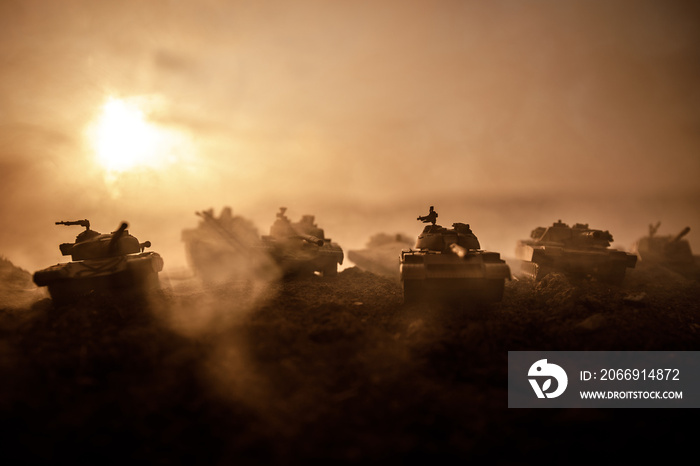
(230, 247)
(301, 248)
(381, 254)
(448, 264)
(577, 251)
(670, 250)
(102, 263)
(224, 247)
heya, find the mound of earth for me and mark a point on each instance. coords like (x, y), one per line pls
(334, 370)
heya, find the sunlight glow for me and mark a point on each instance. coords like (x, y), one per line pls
(123, 139)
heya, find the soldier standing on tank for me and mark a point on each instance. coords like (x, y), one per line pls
(431, 217)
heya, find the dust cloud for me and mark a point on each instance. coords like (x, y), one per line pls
(503, 115)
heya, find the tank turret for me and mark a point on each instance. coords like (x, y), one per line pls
(224, 247)
(301, 248)
(307, 226)
(100, 263)
(438, 238)
(448, 264)
(90, 244)
(576, 251)
(578, 236)
(669, 250)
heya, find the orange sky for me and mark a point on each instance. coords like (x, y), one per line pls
(508, 114)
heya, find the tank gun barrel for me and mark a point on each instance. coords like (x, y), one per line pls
(680, 235)
(83, 223)
(312, 239)
(227, 234)
(116, 236)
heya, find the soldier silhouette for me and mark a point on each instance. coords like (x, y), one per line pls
(430, 218)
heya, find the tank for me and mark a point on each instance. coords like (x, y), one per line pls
(577, 251)
(101, 263)
(223, 247)
(301, 248)
(448, 264)
(672, 250)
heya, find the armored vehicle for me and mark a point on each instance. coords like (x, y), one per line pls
(224, 247)
(577, 251)
(447, 264)
(301, 247)
(102, 263)
(670, 250)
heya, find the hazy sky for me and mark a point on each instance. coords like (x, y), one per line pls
(510, 113)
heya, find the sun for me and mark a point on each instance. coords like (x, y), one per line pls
(123, 139)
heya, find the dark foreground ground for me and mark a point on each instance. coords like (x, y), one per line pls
(325, 369)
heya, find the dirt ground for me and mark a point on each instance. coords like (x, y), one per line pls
(336, 369)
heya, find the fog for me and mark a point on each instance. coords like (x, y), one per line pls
(506, 115)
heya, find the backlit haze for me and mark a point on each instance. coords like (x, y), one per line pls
(506, 115)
